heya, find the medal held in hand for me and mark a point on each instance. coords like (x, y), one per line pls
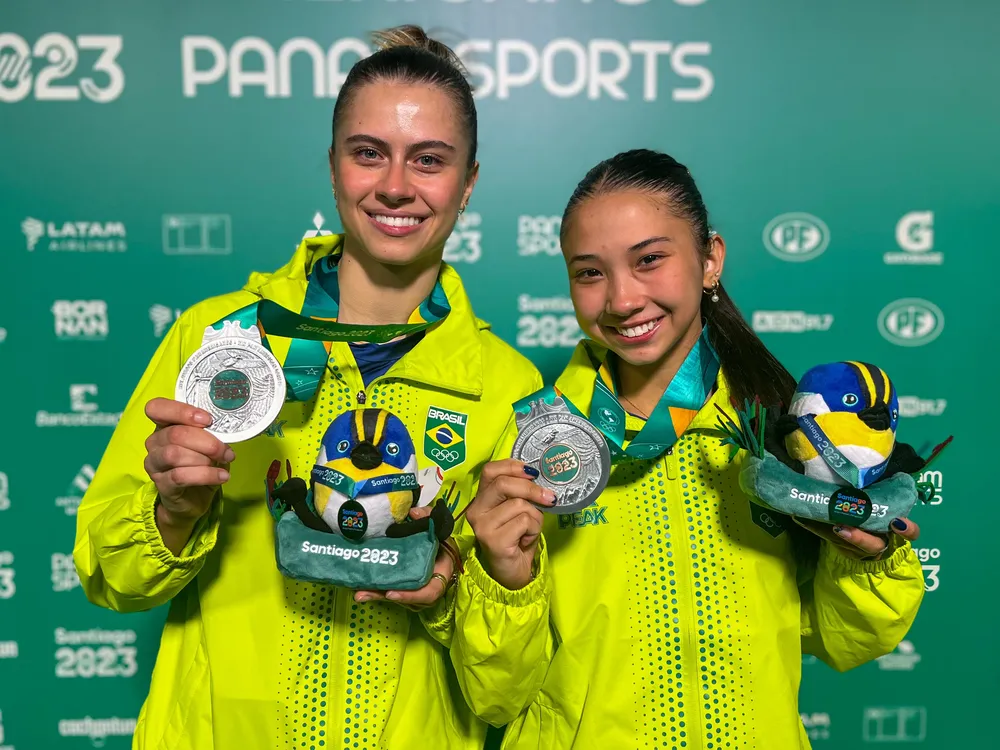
(236, 380)
(571, 455)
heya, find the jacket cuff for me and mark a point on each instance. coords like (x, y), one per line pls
(841, 563)
(203, 536)
(535, 591)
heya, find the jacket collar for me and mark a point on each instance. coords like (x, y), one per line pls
(448, 357)
(577, 383)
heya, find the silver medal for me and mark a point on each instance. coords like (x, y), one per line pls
(570, 454)
(236, 380)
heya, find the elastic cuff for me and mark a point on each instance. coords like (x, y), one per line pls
(530, 594)
(202, 539)
(849, 565)
(440, 616)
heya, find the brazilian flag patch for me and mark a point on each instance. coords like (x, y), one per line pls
(444, 437)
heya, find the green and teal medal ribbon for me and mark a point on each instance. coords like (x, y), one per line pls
(353, 488)
(841, 464)
(686, 394)
(315, 327)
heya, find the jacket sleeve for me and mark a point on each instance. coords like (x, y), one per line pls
(854, 611)
(502, 643)
(120, 557)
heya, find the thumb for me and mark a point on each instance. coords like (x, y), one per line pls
(417, 513)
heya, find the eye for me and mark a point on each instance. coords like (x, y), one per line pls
(587, 273)
(895, 414)
(428, 160)
(647, 260)
(850, 399)
(367, 153)
(342, 446)
(392, 449)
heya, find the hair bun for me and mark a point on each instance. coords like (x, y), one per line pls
(413, 36)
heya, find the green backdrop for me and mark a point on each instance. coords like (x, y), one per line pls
(153, 154)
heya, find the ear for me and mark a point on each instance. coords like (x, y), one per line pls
(470, 182)
(714, 262)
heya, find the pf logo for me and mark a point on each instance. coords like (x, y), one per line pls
(796, 237)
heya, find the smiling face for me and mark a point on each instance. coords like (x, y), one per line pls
(399, 167)
(637, 276)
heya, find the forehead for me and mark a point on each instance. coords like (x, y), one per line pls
(403, 112)
(618, 220)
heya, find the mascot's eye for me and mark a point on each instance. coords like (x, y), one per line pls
(342, 446)
(392, 449)
(850, 399)
(895, 414)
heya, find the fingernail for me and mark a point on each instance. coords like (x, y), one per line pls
(223, 475)
(230, 456)
(899, 524)
(393, 596)
(362, 598)
(549, 495)
(842, 532)
(202, 418)
(531, 471)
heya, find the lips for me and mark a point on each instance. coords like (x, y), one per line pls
(637, 333)
(395, 225)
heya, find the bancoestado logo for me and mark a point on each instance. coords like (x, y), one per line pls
(57, 58)
(84, 412)
(790, 321)
(911, 322)
(913, 406)
(796, 237)
(75, 236)
(547, 322)
(564, 68)
(915, 237)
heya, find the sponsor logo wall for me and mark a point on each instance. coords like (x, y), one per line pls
(150, 166)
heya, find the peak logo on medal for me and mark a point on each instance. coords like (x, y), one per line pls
(843, 223)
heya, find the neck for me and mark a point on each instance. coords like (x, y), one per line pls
(373, 293)
(644, 385)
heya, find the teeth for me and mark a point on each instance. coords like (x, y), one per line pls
(637, 330)
(397, 221)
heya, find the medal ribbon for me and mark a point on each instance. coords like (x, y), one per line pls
(352, 488)
(841, 464)
(686, 394)
(314, 329)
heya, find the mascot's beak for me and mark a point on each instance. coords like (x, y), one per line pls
(366, 456)
(876, 417)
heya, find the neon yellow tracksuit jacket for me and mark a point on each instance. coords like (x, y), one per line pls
(250, 660)
(668, 613)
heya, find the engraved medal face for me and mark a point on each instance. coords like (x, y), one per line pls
(570, 454)
(236, 380)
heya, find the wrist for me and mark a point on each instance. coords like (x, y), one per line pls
(169, 520)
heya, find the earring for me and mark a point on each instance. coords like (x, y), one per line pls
(334, 191)
(714, 290)
(461, 210)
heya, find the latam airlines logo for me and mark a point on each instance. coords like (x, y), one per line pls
(75, 236)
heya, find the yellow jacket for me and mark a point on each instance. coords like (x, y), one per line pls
(250, 660)
(670, 613)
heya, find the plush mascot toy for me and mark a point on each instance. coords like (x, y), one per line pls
(833, 456)
(351, 526)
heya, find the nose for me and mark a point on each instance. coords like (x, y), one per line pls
(877, 417)
(395, 187)
(624, 297)
(366, 456)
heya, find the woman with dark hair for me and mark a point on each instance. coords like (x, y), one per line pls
(249, 659)
(673, 612)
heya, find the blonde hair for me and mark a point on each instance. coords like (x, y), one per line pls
(406, 54)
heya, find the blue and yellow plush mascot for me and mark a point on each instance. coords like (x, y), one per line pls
(363, 486)
(833, 455)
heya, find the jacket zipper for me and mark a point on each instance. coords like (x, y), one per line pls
(687, 615)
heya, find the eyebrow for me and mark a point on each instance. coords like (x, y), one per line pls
(637, 246)
(384, 145)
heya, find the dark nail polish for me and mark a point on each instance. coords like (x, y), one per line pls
(531, 471)
(899, 524)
